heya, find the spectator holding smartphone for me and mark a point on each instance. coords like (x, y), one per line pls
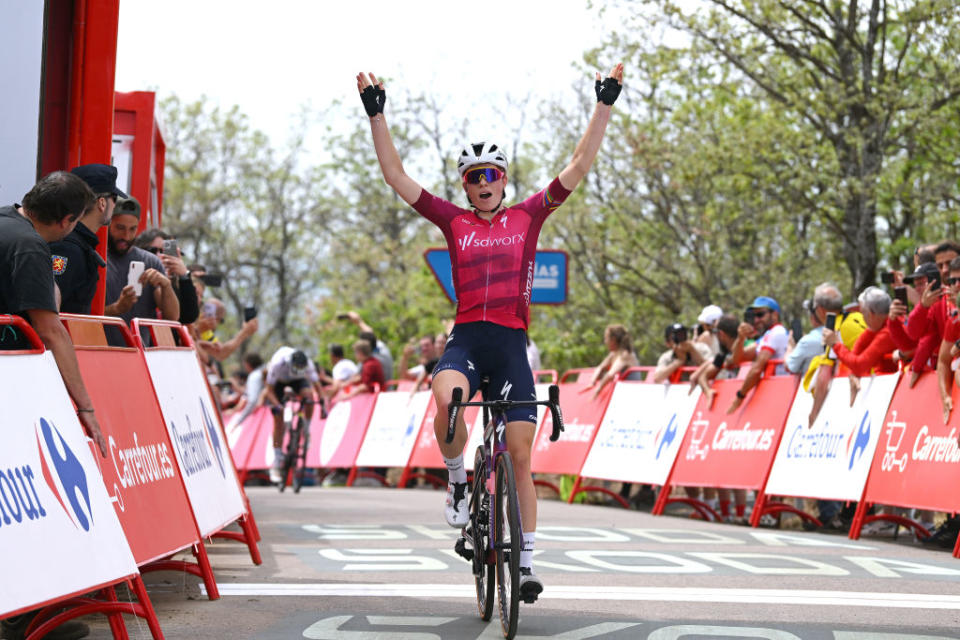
(213, 313)
(166, 248)
(681, 352)
(873, 349)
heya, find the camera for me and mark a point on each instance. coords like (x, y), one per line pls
(678, 333)
(249, 313)
(212, 279)
(886, 277)
(748, 316)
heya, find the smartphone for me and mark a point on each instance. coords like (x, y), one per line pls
(249, 313)
(936, 281)
(831, 322)
(900, 293)
(133, 276)
(170, 248)
(343, 316)
(886, 277)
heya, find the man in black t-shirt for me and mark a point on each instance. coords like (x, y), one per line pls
(76, 263)
(49, 212)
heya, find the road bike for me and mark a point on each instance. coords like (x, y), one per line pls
(297, 428)
(493, 537)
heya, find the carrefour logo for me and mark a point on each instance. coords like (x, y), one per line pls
(669, 435)
(860, 439)
(64, 475)
(213, 438)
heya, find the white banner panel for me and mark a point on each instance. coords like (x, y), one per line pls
(59, 534)
(198, 438)
(831, 459)
(641, 432)
(393, 430)
(475, 437)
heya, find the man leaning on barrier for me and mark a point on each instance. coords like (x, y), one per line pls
(49, 213)
(772, 345)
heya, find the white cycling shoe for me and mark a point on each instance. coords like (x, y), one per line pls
(276, 474)
(457, 505)
(530, 585)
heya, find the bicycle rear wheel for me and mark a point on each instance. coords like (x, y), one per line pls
(507, 537)
(300, 463)
(290, 455)
(483, 569)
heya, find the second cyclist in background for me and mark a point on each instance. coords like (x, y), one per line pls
(292, 368)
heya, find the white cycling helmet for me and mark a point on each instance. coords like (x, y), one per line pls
(481, 153)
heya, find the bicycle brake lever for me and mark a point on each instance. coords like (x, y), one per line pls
(454, 409)
(554, 396)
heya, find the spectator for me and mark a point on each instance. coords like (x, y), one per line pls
(873, 349)
(153, 240)
(726, 333)
(427, 359)
(681, 352)
(950, 345)
(826, 299)
(706, 326)
(620, 356)
(76, 263)
(212, 314)
(157, 294)
(253, 390)
(371, 376)
(922, 331)
(533, 356)
(771, 346)
(440, 342)
(342, 370)
(380, 350)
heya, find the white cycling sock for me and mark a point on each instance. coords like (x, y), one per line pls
(455, 470)
(526, 551)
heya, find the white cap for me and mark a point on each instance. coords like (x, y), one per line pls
(710, 314)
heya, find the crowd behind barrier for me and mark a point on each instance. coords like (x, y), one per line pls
(885, 445)
(73, 522)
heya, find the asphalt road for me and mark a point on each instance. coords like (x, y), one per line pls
(371, 563)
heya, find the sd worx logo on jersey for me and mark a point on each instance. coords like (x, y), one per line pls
(65, 476)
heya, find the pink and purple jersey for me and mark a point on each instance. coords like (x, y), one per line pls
(493, 261)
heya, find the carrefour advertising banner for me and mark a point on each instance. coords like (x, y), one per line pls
(59, 534)
(918, 462)
(831, 459)
(199, 443)
(393, 430)
(641, 432)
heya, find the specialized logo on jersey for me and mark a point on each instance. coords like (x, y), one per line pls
(860, 438)
(68, 479)
(549, 202)
(213, 439)
(59, 265)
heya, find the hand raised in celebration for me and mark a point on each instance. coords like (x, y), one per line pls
(372, 93)
(608, 89)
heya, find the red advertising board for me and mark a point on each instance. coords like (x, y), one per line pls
(581, 418)
(734, 451)
(917, 461)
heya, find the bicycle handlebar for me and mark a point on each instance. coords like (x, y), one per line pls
(553, 403)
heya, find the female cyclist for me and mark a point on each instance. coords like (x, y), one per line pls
(492, 249)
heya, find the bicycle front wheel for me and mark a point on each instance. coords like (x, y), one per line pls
(483, 569)
(300, 453)
(508, 539)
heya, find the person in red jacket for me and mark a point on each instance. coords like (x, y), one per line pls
(872, 351)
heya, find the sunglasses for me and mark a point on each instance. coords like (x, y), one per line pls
(952, 281)
(490, 174)
(153, 250)
(760, 313)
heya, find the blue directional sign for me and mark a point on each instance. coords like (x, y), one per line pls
(549, 275)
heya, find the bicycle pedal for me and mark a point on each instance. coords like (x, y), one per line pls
(462, 550)
(529, 598)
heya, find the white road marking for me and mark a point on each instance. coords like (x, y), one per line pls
(648, 594)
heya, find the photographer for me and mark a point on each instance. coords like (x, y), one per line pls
(826, 299)
(212, 314)
(165, 247)
(681, 352)
(772, 344)
(873, 348)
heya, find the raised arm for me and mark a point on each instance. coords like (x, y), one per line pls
(586, 150)
(373, 96)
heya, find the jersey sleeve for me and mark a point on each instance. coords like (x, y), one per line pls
(436, 210)
(33, 281)
(544, 202)
(775, 341)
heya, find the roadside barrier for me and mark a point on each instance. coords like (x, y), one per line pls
(342, 434)
(60, 537)
(395, 424)
(194, 428)
(142, 473)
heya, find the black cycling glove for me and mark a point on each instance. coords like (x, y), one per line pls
(608, 90)
(373, 98)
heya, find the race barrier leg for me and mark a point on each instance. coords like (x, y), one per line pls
(201, 568)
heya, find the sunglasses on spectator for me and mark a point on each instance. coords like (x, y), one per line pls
(952, 281)
(490, 174)
(153, 250)
(759, 313)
